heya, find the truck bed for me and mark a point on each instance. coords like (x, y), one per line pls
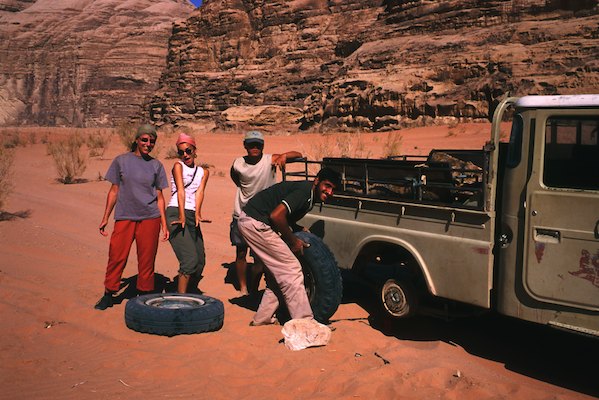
(453, 178)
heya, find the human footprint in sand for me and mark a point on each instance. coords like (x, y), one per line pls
(267, 223)
(184, 213)
(137, 182)
(252, 173)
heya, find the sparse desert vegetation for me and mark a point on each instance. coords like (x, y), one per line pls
(69, 159)
(97, 142)
(6, 162)
(126, 133)
(340, 145)
(393, 144)
(17, 137)
(171, 153)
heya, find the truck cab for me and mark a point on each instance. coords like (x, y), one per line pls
(547, 255)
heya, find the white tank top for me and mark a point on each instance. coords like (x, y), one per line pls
(192, 177)
(252, 179)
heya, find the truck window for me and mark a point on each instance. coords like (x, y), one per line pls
(514, 153)
(571, 153)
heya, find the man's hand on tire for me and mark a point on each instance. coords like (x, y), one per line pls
(298, 246)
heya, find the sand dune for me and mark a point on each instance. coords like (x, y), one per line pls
(55, 345)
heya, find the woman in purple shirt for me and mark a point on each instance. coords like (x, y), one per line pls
(136, 196)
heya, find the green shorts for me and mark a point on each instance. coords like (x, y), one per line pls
(188, 243)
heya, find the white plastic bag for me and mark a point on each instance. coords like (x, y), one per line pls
(302, 333)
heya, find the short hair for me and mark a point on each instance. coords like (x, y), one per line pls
(329, 174)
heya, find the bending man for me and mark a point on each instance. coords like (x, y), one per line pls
(267, 223)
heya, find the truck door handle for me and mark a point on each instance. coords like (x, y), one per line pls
(547, 235)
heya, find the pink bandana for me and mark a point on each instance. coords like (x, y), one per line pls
(183, 138)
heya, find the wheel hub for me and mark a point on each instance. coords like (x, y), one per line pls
(174, 302)
(394, 299)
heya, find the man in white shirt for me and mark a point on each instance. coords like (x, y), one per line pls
(252, 173)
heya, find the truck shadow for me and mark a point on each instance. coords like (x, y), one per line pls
(560, 358)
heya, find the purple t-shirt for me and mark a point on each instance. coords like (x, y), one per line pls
(138, 180)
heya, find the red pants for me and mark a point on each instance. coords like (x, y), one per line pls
(146, 234)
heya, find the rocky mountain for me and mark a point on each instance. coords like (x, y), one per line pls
(312, 64)
(81, 62)
(372, 64)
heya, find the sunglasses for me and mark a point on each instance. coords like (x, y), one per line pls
(187, 151)
(146, 140)
(252, 145)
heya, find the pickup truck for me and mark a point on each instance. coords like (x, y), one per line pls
(511, 227)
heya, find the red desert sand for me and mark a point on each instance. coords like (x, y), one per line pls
(55, 345)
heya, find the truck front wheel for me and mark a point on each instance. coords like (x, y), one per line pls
(399, 298)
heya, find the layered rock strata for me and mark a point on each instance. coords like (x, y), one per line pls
(375, 64)
(81, 62)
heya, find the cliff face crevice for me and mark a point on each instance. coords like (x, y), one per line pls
(81, 63)
(370, 64)
(375, 64)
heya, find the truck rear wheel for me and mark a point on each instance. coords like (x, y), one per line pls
(321, 277)
(399, 298)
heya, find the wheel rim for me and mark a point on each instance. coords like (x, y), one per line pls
(394, 299)
(175, 302)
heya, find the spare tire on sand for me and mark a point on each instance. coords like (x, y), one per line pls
(171, 314)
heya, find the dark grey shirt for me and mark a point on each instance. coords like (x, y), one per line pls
(296, 196)
(138, 180)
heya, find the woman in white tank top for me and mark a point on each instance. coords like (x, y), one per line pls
(184, 214)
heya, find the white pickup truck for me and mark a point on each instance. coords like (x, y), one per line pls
(512, 226)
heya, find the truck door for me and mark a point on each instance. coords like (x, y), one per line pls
(561, 259)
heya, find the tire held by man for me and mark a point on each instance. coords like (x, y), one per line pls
(322, 277)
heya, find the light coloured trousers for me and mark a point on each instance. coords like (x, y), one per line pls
(285, 271)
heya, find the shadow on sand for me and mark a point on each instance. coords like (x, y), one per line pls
(7, 216)
(162, 284)
(539, 352)
(128, 287)
(250, 301)
(560, 358)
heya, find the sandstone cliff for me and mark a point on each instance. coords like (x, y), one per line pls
(373, 64)
(81, 62)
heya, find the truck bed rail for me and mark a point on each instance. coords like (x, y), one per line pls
(451, 178)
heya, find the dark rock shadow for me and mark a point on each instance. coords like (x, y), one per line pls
(8, 216)
(537, 351)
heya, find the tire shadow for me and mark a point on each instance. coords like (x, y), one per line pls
(537, 351)
(128, 289)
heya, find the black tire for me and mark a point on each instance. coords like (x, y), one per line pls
(171, 314)
(399, 298)
(322, 277)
